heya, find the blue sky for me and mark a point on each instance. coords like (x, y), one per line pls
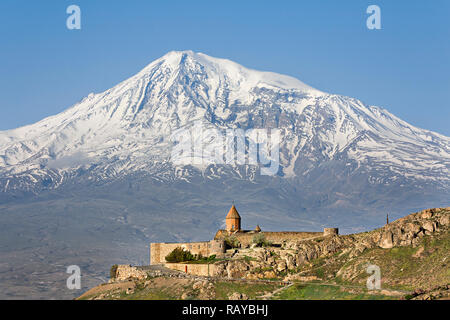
(405, 67)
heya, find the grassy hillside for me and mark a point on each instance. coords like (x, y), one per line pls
(163, 288)
(413, 254)
(425, 266)
(321, 291)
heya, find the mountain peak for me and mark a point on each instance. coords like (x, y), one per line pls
(127, 128)
(219, 68)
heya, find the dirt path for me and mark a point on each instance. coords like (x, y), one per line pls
(386, 292)
(269, 295)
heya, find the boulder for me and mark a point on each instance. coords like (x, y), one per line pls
(254, 276)
(281, 266)
(311, 253)
(129, 290)
(427, 214)
(238, 296)
(290, 263)
(445, 220)
(387, 240)
(198, 285)
(301, 258)
(292, 245)
(236, 269)
(184, 296)
(270, 275)
(411, 227)
(428, 226)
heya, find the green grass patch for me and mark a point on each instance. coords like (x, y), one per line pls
(252, 290)
(248, 259)
(149, 294)
(326, 292)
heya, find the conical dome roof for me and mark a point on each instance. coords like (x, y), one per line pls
(233, 214)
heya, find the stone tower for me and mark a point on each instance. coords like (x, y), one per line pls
(233, 220)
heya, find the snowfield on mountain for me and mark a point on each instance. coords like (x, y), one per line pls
(127, 129)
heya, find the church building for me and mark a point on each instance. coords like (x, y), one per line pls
(233, 229)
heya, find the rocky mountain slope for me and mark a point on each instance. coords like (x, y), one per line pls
(127, 128)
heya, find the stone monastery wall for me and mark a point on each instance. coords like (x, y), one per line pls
(159, 251)
(246, 237)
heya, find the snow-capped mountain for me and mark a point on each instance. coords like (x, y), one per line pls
(127, 129)
(93, 185)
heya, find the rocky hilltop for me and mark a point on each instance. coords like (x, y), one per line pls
(413, 254)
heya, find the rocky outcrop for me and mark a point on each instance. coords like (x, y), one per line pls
(408, 230)
(238, 296)
(232, 269)
(204, 289)
(125, 272)
(440, 292)
(387, 240)
(270, 262)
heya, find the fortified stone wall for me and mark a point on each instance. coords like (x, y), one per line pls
(330, 231)
(204, 270)
(246, 237)
(159, 251)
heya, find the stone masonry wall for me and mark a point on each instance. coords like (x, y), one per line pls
(159, 251)
(246, 238)
(204, 270)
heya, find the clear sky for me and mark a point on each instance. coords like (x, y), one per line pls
(404, 67)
